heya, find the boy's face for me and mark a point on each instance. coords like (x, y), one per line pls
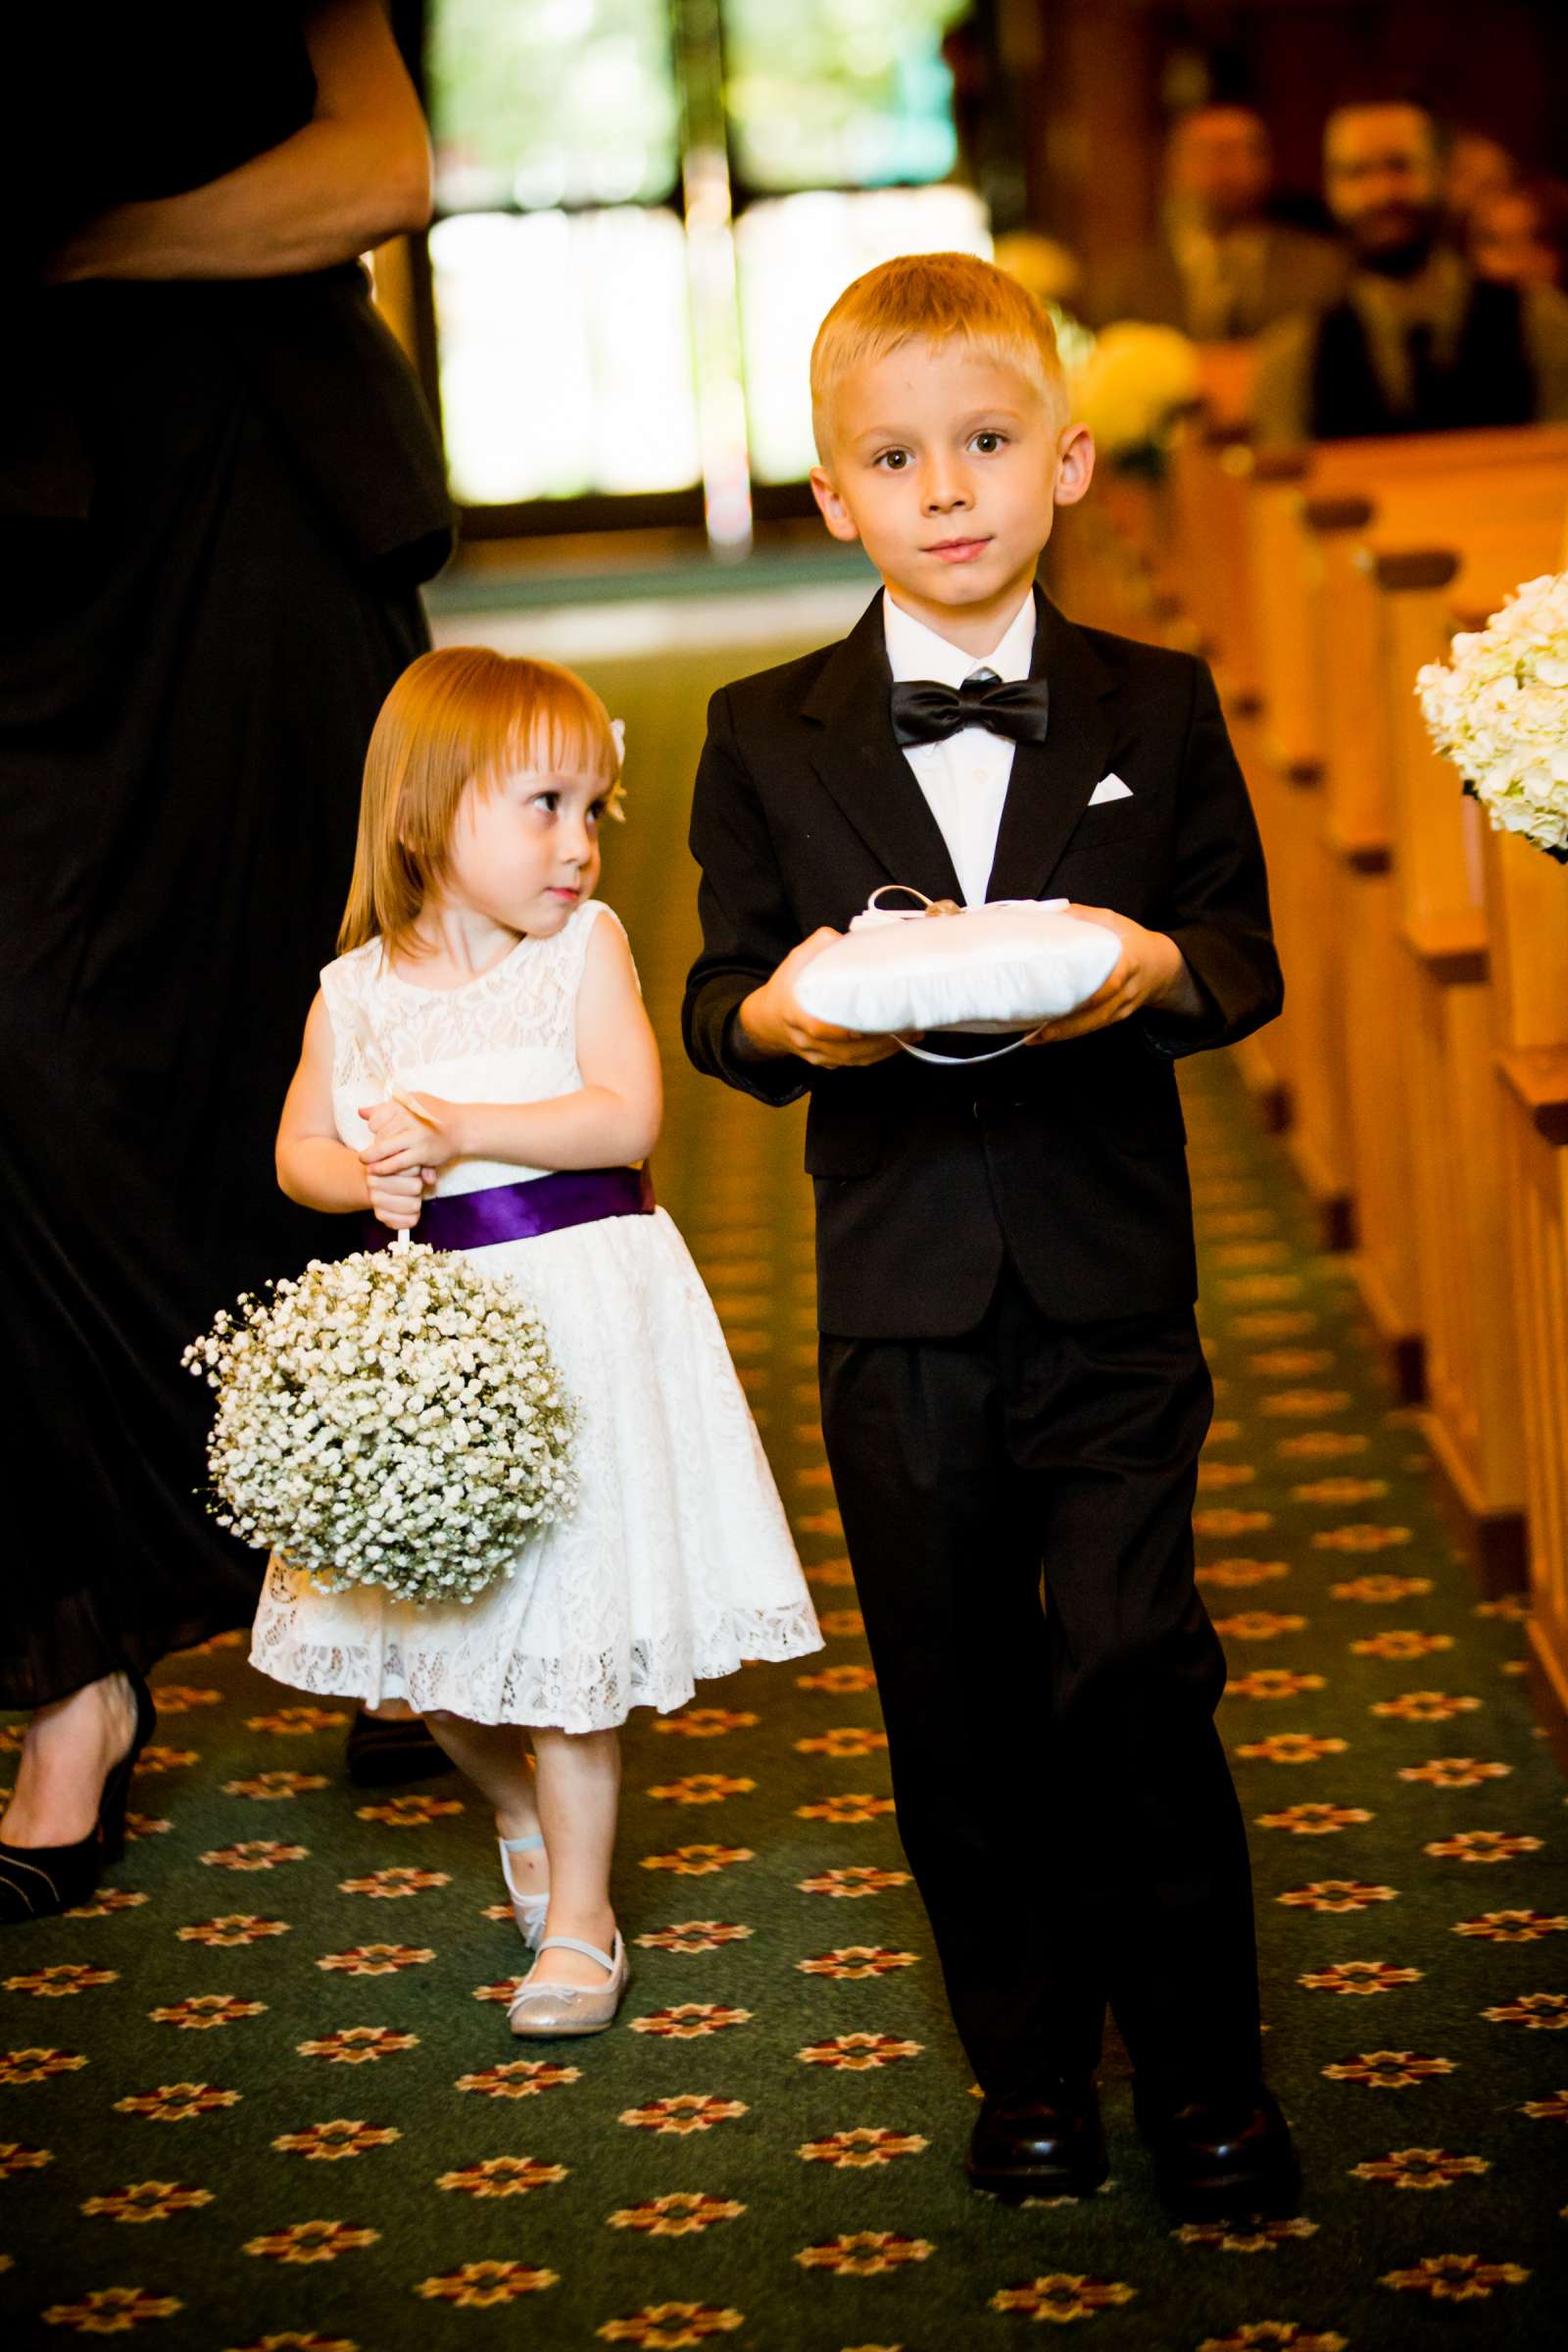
(948, 465)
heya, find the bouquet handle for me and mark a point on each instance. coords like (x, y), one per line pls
(375, 1062)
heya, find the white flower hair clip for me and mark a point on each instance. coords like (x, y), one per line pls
(617, 798)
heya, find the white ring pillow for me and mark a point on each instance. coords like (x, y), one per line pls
(1009, 964)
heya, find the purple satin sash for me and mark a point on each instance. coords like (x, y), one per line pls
(518, 1212)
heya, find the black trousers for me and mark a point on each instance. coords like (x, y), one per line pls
(1061, 1790)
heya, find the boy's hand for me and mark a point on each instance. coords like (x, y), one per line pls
(396, 1200)
(775, 1023)
(1149, 970)
(403, 1136)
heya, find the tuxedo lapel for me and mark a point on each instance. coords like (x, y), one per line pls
(1051, 783)
(859, 761)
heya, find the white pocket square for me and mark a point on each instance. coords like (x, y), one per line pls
(1109, 788)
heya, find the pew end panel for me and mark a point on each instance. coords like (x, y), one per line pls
(1527, 901)
(1288, 781)
(1455, 1158)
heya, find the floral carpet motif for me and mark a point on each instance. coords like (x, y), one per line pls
(257, 2094)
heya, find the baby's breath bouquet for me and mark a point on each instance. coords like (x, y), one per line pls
(393, 1420)
(1498, 710)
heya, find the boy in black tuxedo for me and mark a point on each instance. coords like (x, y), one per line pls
(1012, 1377)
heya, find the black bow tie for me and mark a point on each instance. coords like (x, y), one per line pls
(924, 711)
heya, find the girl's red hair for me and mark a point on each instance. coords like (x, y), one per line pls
(459, 716)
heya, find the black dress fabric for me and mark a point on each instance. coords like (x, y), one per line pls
(215, 503)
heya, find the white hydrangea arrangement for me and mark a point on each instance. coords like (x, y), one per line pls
(393, 1420)
(1130, 383)
(1498, 710)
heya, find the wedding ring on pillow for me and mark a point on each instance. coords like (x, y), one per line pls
(998, 970)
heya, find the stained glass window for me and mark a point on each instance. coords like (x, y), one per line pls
(840, 93)
(564, 334)
(594, 338)
(551, 102)
(566, 354)
(796, 255)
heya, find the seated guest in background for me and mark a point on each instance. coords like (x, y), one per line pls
(1519, 235)
(1475, 168)
(1221, 269)
(1418, 342)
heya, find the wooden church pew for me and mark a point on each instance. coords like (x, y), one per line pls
(1346, 601)
(1357, 937)
(1367, 551)
(1210, 566)
(1286, 753)
(1324, 799)
(1447, 1105)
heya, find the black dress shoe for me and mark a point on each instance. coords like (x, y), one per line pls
(382, 1750)
(1222, 2159)
(39, 1882)
(1041, 2143)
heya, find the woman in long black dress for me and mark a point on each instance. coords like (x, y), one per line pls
(218, 490)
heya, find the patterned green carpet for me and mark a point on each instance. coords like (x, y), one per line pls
(261, 2093)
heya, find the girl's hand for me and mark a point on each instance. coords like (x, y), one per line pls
(402, 1139)
(396, 1200)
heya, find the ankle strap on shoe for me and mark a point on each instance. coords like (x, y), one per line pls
(608, 1961)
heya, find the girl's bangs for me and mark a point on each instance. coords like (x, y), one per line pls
(562, 733)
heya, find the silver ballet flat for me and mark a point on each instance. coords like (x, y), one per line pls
(547, 2011)
(528, 1910)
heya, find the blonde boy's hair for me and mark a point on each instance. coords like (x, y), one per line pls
(941, 298)
(462, 715)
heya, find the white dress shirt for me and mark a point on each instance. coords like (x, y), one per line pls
(965, 779)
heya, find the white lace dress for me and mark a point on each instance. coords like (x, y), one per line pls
(676, 1564)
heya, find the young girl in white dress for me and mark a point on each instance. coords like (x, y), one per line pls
(483, 984)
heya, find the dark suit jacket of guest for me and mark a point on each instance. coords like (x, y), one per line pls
(1301, 272)
(1069, 1157)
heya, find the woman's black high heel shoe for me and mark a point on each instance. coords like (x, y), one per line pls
(38, 1881)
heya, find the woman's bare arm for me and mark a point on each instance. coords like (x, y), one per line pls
(357, 173)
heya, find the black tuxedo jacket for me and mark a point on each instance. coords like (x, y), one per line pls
(1068, 1157)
